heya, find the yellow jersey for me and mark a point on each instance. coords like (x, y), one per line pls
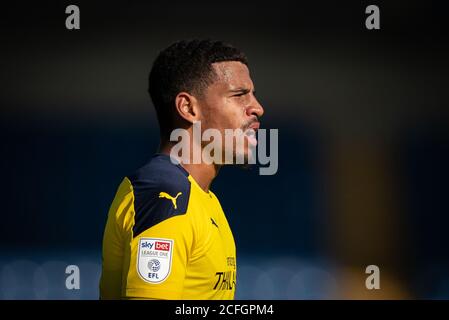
(166, 238)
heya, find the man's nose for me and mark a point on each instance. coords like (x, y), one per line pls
(255, 108)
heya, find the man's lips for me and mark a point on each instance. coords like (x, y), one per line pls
(255, 126)
(251, 133)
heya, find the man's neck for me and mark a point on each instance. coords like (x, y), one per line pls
(203, 173)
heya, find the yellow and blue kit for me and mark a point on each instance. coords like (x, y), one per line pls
(166, 238)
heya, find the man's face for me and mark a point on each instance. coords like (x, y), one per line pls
(229, 103)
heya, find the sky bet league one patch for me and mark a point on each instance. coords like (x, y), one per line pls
(154, 259)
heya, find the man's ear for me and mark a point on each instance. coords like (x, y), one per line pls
(187, 107)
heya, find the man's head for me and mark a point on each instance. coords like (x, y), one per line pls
(203, 80)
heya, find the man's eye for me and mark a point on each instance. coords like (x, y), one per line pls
(239, 94)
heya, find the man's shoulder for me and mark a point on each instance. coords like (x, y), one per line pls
(161, 190)
(160, 171)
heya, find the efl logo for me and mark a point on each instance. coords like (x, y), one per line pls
(164, 246)
(154, 260)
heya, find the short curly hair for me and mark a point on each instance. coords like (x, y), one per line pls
(185, 66)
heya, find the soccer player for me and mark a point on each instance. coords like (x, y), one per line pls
(166, 235)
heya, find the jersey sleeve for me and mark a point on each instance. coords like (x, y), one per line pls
(118, 221)
(159, 257)
(162, 238)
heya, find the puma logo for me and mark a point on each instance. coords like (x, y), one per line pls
(169, 197)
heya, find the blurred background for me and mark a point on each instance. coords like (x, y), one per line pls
(363, 142)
